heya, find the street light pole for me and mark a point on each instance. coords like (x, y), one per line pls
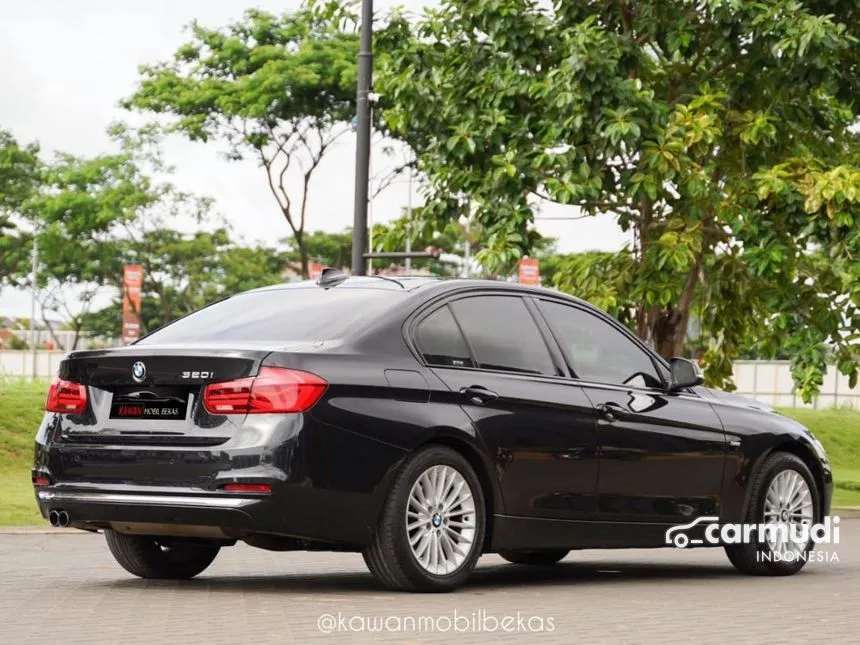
(409, 225)
(362, 150)
(33, 339)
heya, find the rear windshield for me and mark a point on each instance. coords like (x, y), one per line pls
(306, 314)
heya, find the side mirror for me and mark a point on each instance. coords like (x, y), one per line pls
(685, 373)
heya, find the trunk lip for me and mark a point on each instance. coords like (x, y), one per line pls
(245, 349)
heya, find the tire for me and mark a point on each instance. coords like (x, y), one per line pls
(144, 557)
(391, 557)
(757, 558)
(535, 558)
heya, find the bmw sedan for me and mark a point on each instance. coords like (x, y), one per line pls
(419, 422)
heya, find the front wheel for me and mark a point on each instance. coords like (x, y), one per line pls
(784, 498)
(535, 558)
(146, 557)
(431, 531)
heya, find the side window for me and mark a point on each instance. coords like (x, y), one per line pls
(503, 335)
(599, 351)
(440, 341)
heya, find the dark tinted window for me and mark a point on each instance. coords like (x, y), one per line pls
(599, 351)
(441, 342)
(279, 315)
(503, 335)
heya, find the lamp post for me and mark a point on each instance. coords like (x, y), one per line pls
(33, 332)
(362, 150)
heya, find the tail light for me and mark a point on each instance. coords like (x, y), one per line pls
(273, 390)
(247, 488)
(66, 396)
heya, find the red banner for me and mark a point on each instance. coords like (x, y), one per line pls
(315, 270)
(529, 271)
(132, 283)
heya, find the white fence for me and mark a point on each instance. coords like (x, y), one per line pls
(17, 364)
(768, 381)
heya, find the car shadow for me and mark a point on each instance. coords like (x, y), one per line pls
(484, 578)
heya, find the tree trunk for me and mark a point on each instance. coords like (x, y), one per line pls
(303, 254)
(668, 333)
(50, 329)
(667, 328)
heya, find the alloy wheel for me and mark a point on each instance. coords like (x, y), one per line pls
(788, 508)
(440, 520)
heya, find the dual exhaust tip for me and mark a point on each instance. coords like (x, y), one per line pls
(58, 519)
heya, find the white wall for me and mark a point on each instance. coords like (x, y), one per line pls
(20, 363)
(770, 382)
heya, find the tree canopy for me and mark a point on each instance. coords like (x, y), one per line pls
(721, 133)
(279, 89)
(20, 170)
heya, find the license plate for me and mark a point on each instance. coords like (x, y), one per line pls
(166, 410)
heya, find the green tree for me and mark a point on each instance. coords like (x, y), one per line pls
(79, 216)
(19, 180)
(718, 132)
(330, 249)
(184, 272)
(280, 89)
(451, 238)
(89, 216)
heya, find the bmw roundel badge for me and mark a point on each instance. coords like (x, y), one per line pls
(138, 372)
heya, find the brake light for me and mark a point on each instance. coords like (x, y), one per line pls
(247, 488)
(66, 396)
(273, 390)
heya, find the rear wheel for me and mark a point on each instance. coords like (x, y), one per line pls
(146, 557)
(535, 558)
(431, 530)
(783, 497)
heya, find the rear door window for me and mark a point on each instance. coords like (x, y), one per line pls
(503, 335)
(440, 342)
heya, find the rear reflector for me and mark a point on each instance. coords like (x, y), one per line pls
(274, 390)
(247, 488)
(66, 397)
(41, 481)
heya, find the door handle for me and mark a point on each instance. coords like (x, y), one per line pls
(612, 411)
(478, 394)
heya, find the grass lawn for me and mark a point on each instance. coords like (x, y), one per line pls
(839, 431)
(21, 411)
(21, 404)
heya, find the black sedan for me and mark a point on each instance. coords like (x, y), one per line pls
(420, 422)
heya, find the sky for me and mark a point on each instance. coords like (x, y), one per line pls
(64, 65)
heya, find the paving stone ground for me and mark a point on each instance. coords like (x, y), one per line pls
(67, 589)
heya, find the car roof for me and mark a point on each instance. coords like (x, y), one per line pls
(412, 284)
(402, 283)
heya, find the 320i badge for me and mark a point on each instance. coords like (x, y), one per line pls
(419, 422)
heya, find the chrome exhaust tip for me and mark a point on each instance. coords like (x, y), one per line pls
(62, 519)
(54, 518)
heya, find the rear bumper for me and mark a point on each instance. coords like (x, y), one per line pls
(327, 484)
(300, 513)
(94, 509)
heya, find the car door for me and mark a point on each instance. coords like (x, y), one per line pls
(491, 353)
(661, 453)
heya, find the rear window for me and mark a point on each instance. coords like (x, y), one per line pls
(279, 315)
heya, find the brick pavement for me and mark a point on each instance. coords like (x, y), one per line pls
(67, 588)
